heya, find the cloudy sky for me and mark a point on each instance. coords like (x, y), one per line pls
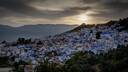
(24, 12)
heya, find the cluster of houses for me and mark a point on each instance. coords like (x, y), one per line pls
(62, 47)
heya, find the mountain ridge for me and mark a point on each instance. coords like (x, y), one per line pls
(10, 33)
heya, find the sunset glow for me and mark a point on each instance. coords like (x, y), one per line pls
(83, 18)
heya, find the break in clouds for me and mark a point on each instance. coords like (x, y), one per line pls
(14, 12)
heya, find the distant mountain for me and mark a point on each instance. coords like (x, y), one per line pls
(32, 31)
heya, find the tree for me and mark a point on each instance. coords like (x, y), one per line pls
(4, 42)
(98, 35)
(21, 41)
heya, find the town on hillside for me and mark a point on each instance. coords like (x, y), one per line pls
(60, 48)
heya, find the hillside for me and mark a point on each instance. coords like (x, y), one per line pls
(60, 48)
(113, 61)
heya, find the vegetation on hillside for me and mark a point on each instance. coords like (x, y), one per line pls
(113, 61)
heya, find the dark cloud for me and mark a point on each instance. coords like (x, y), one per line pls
(90, 1)
(23, 7)
(109, 4)
(65, 12)
(111, 9)
(115, 5)
(27, 8)
(80, 8)
(109, 14)
(15, 5)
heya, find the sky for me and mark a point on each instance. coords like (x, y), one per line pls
(25, 12)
